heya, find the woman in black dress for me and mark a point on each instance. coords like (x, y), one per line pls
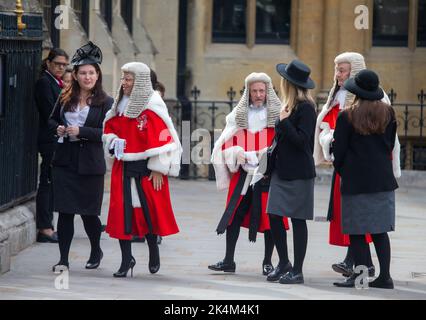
(79, 164)
(291, 192)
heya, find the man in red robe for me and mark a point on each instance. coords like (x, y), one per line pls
(249, 131)
(347, 65)
(145, 147)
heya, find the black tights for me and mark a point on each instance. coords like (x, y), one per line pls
(349, 259)
(92, 225)
(383, 250)
(300, 240)
(232, 234)
(126, 250)
(269, 247)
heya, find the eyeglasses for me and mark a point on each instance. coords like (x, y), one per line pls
(126, 79)
(60, 64)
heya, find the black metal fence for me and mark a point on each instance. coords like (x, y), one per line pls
(210, 115)
(20, 59)
(411, 130)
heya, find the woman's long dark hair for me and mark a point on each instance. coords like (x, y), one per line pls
(70, 96)
(370, 117)
(53, 53)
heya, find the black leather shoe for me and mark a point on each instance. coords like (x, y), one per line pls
(223, 266)
(348, 283)
(122, 273)
(44, 238)
(343, 268)
(292, 278)
(279, 271)
(371, 272)
(154, 260)
(382, 283)
(267, 268)
(95, 264)
(61, 266)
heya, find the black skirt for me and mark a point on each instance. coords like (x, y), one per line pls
(74, 193)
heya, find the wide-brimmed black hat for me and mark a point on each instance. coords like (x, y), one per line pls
(297, 73)
(87, 54)
(365, 85)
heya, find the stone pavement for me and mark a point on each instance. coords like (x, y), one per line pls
(185, 256)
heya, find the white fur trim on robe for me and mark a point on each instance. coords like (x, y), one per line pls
(107, 139)
(223, 175)
(325, 139)
(167, 157)
(320, 151)
(224, 161)
(231, 158)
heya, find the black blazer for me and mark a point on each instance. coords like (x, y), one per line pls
(364, 161)
(46, 93)
(295, 144)
(91, 155)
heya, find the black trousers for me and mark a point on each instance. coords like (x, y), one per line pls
(44, 198)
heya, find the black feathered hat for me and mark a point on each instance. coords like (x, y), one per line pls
(87, 54)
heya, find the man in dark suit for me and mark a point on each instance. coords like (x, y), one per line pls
(47, 91)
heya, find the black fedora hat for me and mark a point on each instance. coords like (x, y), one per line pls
(297, 73)
(87, 54)
(365, 85)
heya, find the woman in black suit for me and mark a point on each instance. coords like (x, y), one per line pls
(291, 192)
(79, 164)
(363, 142)
(47, 90)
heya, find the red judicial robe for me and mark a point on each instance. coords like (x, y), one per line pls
(144, 140)
(251, 142)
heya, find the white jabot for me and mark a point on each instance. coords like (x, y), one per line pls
(341, 97)
(257, 118)
(122, 104)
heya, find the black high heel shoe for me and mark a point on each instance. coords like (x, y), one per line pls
(123, 273)
(94, 265)
(64, 266)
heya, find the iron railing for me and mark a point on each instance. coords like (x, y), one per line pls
(210, 115)
(21, 56)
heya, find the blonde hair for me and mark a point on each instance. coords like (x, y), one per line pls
(291, 95)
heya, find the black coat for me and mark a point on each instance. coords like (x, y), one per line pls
(364, 162)
(295, 145)
(91, 155)
(46, 93)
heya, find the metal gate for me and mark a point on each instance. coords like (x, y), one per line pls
(20, 57)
